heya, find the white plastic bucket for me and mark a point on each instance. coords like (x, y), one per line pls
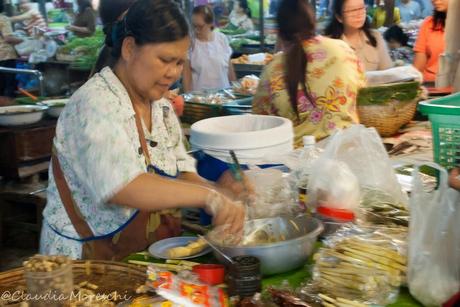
(252, 137)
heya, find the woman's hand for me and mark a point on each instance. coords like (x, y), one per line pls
(226, 212)
(454, 178)
(240, 190)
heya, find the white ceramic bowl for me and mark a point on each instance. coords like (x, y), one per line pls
(55, 106)
(21, 115)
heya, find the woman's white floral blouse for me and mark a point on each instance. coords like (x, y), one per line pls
(99, 152)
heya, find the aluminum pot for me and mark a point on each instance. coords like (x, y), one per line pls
(300, 234)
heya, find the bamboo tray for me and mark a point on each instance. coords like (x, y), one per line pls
(108, 275)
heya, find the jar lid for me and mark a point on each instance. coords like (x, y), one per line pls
(340, 214)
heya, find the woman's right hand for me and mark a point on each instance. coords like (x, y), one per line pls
(226, 212)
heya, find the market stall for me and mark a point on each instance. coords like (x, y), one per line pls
(355, 220)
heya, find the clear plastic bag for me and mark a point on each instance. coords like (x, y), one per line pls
(434, 241)
(365, 265)
(332, 184)
(274, 195)
(362, 150)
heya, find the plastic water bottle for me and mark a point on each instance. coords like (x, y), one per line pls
(308, 156)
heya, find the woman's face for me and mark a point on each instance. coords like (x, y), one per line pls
(201, 28)
(353, 14)
(236, 7)
(440, 5)
(153, 68)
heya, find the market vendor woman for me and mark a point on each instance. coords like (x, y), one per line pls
(84, 24)
(113, 188)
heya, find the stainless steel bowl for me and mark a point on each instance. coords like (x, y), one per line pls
(299, 234)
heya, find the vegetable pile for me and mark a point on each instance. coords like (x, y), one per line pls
(85, 50)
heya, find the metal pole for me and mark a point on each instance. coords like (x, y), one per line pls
(262, 25)
(38, 74)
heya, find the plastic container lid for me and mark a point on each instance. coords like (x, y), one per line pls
(308, 140)
(338, 214)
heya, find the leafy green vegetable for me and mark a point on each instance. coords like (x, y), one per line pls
(403, 92)
(86, 49)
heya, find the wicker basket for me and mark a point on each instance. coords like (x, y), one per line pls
(389, 117)
(109, 276)
(65, 57)
(194, 111)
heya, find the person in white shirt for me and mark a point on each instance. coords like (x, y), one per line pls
(240, 16)
(208, 65)
(410, 10)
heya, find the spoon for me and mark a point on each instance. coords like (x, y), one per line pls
(217, 249)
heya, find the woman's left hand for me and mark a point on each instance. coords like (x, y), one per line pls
(237, 189)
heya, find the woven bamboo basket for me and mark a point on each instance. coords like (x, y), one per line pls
(194, 111)
(109, 276)
(387, 119)
(65, 57)
(388, 107)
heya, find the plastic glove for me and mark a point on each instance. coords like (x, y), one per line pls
(240, 190)
(226, 212)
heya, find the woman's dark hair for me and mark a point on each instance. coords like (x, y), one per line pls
(83, 5)
(335, 27)
(396, 33)
(296, 23)
(206, 12)
(111, 10)
(439, 20)
(244, 5)
(148, 21)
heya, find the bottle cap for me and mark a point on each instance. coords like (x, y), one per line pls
(308, 140)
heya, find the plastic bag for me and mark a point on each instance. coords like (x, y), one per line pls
(362, 150)
(434, 241)
(366, 265)
(332, 184)
(393, 75)
(274, 195)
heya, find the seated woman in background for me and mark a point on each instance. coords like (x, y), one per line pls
(240, 16)
(380, 15)
(7, 54)
(314, 83)
(208, 65)
(84, 24)
(430, 41)
(350, 24)
(401, 53)
(30, 17)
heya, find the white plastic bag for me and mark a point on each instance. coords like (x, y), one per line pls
(332, 184)
(434, 241)
(273, 194)
(362, 150)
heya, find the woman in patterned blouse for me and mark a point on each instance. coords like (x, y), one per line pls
(314, 82)
(119, 149)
